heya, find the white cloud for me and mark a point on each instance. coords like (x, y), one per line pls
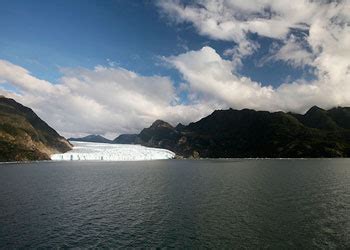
(21, 78)
(211, 79)
(104, 100)
(232, 20)
(294, 53)
(324, 45)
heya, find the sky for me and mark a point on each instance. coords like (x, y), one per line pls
(114, 66)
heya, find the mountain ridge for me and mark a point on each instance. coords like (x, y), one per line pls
(91, 138)
(248, 133)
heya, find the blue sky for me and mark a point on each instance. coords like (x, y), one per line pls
(114, 66)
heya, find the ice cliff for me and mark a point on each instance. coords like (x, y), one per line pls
(112, 152)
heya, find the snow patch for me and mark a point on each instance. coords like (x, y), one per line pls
(89, 151)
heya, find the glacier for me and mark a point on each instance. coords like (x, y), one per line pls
(90, 151)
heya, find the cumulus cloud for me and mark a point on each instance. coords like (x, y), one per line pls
(314, 33)
(210, 78)
(103, 100)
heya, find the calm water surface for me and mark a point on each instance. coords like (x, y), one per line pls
(174, 203)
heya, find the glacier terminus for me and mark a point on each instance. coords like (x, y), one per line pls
(89, 151)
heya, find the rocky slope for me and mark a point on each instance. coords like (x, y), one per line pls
(24, 136)
(249, 133)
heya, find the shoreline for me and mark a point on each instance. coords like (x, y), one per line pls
(173, 159)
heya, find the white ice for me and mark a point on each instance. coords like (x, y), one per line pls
(90, 151)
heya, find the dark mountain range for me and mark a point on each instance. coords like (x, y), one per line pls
(127, 139)
(24, 136)
(91, 138)
(249, 133)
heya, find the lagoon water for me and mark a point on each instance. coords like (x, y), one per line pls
(176, 203)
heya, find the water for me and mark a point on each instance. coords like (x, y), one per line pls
(174, 203)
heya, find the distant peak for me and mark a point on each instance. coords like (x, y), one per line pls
(180, 125)
(314, 109)
(160, 123)
(93, 135)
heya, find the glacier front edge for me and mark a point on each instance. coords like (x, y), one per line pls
(89, 151)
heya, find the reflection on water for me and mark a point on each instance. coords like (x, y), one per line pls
(176, 203)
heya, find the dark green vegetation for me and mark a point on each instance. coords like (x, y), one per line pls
(92, 138)
(127, 139)
(24, 136)
(249, 133)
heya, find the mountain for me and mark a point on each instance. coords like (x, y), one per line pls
(341, 116)
(318, 118)
(91, 138)
(24, 136)
(249, 133)
(127, 139)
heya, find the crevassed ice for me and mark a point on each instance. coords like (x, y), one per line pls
(112, 152)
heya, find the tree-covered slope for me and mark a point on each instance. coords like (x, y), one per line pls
(250, 133)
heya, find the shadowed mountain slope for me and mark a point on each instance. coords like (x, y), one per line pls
(92, 138)
(249, 133)
(24, 136)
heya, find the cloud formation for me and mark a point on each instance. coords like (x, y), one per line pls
(313, 33)
(210, 78)
(320, 22)
(103, 100)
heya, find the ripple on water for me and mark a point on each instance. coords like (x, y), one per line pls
(207, 203)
